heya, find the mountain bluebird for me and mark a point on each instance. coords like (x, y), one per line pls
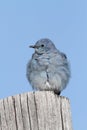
(48, 68)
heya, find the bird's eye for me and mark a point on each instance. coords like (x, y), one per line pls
(42, 45)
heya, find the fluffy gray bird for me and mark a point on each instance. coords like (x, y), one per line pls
(48, 68)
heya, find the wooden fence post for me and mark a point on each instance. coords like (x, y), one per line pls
(41, 110)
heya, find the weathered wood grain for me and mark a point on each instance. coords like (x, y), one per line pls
(35, 111)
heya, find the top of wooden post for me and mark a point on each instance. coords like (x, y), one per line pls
(40, 110)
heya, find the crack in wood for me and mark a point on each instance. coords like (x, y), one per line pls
(21, 111)
(29, 113)
(36, 110)
(61, 115)
(5, 113)
(15, 112)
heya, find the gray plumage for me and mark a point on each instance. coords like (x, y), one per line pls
(48, 68)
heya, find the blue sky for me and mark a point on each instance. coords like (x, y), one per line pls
(22, 23)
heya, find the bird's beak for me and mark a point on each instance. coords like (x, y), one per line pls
(32, 46)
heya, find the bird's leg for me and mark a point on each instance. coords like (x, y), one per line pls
(57, 92)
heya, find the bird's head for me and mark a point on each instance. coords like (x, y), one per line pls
(43, 46)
